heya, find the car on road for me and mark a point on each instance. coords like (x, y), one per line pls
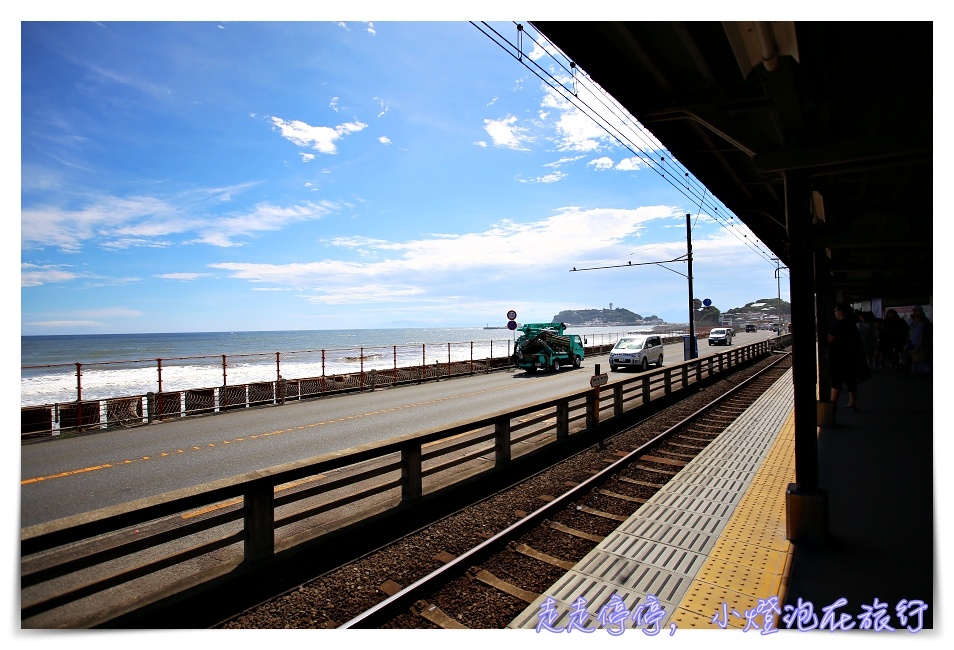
(750, 328)
(637, 352)
(720, 336)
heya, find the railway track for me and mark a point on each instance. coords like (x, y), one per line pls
(480, 567)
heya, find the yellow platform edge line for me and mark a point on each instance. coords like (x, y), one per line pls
(698, 606)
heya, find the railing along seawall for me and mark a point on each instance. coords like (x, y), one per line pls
(196, 385)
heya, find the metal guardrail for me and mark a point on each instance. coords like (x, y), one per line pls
(161, 538)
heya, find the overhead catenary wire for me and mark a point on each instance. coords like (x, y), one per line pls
(686, 184)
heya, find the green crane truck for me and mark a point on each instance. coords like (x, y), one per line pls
(547, 346)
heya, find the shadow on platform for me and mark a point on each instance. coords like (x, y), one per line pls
(876, 465)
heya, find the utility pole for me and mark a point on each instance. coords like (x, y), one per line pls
(778, 287)
(693, 352)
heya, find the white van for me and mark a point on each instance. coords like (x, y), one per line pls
(720, 336)
(637, 352)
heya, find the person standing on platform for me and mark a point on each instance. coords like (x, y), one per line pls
(919, 341)
(844, 342)
(869, 336)
(894, 336)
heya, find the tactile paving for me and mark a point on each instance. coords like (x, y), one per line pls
(708, 546)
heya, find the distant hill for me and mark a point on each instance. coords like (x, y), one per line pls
(765, 306)
(597, 317)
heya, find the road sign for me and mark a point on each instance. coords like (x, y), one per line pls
(511, 315)
(707, 302)
(599, 380)
(511, 325)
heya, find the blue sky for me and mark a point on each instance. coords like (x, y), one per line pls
(222, 175)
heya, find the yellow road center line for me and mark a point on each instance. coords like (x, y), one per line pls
(256, 436)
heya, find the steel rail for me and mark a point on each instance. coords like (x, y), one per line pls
(396, 604)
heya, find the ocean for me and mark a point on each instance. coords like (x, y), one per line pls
(116, 365)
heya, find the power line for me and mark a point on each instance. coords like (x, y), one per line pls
(692, 189)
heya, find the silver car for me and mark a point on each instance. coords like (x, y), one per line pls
(637, 352)
(720, 336)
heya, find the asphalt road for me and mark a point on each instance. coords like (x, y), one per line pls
(75, 475)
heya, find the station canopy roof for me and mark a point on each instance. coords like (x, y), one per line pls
(740, 104)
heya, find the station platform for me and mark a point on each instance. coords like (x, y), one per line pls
(709, 551)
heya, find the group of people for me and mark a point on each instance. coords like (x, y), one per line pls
(860, 342)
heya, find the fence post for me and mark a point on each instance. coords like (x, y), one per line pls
(502, 441)
(646, 390)
(224, 374)
(667, 376)
(159, 401)
(617, 399)
(150, 406)
(563, 419)
(592, 410)
(259, 508)
(411, 472)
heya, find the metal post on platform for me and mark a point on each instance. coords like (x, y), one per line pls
(806, 502)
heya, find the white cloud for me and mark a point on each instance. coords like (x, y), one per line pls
(481, 143)
(320, 138)
(384, 140)
(306, 157)
(402, 269)
(115, 223)
(630, 164)
(541, 48)
(365, 294)
(108, 216)
(263, 217)
(562, 161)
(107, 312)
(184, 277)
(505, 133)
(64, 324)
(601, 163)
(32, 275)
(552, 177)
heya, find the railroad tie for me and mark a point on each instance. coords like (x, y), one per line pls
(667, 472)
(626, 479)
(679, 444)
(490, 579)
(687, 456)
(389, 587)
(435, 615)
(663, 461)
(624, 497)
(523, 549)
(575, 533)
(601, 513)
